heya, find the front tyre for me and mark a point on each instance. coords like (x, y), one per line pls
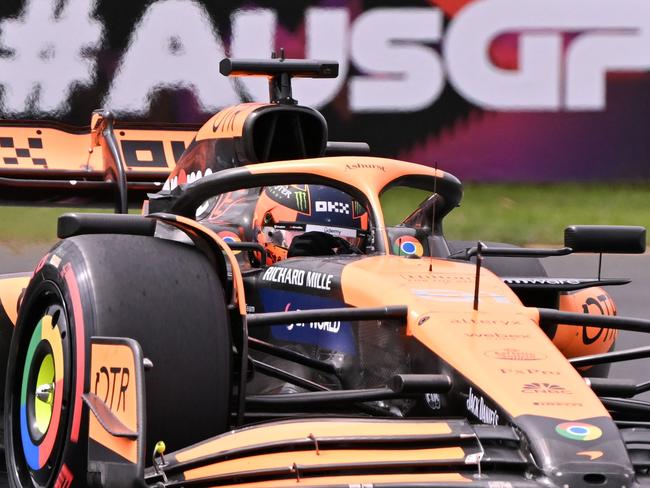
(37, 406)
(164, 295)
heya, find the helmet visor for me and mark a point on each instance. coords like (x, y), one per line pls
(282, 233)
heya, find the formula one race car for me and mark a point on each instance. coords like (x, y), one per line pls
(280, 316)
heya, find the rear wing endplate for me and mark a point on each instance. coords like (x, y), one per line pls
(103, 163)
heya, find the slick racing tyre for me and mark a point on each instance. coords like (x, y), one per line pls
(164, 295)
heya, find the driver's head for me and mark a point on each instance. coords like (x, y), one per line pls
(287, 211)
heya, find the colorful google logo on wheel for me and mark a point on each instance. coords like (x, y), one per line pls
(41, 393)
(579, 431)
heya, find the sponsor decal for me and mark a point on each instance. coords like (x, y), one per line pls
(224, 122)
(423, 319)
(111, 385)
(335, 207)
(512, 354)
(497, 336)
(39, 416)
(376, 166)
(542, 281)
(598, 305)
(435, 277)
(229, 237)
(527, 371)
(473, 321)
(433, 401)
(27, 152)
(558, 404)
(579, 431)
(442, 295)
(499, 484)
(55, 260)
(590, 454)
(606, 335)
(298, 277)
(295, 197)
(145, 154)
(302, 201)
(322, 334)
(546, 388)
(407, 246)
(476, 406)
(332, 327)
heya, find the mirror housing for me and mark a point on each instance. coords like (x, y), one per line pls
(616, 239)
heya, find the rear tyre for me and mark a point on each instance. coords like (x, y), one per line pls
(164, 295)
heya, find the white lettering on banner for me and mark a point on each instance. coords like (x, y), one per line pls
(49, 54)
(42, 58)
(184, 53)
(327, 31)
(253, 37)
(477, 407)
(298, 277)
(402, 74)
(615, 36)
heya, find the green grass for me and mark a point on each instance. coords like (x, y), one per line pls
(515, 213)
(19, 225)
(534, 214)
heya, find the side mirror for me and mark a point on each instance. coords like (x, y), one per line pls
(616, 239)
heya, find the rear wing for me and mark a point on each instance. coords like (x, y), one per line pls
(107, 162)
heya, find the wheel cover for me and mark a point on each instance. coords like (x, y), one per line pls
(41, 394)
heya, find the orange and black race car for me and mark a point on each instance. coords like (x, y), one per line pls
(288, 312)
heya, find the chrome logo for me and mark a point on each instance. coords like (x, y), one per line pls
(407, 246)
(229, 237)
(579, 431)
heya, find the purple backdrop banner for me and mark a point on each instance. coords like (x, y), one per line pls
(499, 90)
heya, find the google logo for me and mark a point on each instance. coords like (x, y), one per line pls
(579, 431)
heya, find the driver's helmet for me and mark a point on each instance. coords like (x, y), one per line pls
(284, 212)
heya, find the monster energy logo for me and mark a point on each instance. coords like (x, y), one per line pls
(301, 201)
(357, 208)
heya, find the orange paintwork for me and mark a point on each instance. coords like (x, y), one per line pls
(228, 123)
(69, 151)
(576, 341)
(501, 347)
(367, 174)
(325, 457)
(362, 480)
(321, 429)
(108, 387)
(11, 287)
